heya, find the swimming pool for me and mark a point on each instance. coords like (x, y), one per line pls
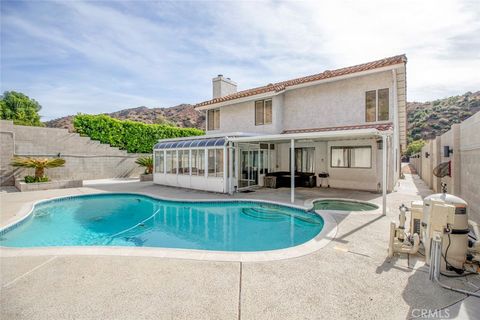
(141, 221)
(343, 205)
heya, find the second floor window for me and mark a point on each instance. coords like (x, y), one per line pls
(263, 112)
(213, 118)
(377, 105)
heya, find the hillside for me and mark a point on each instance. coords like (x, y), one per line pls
(184, 116)
(429, 119)
(425, 119)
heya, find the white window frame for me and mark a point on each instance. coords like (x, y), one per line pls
(376, 105)
(264, 101)
(349, 157)
(215, 125)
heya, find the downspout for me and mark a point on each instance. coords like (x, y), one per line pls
(384, 175)
(226, 178)
(396, 125)
(292, 170)
(230, 167)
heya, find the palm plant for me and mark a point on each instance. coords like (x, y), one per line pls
(40, 164)
(146, 162)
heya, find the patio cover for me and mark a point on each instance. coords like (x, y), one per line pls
(382, 131)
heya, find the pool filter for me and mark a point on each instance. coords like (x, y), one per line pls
(440, 224)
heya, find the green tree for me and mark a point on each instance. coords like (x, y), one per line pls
(21, 109)
(414, 147)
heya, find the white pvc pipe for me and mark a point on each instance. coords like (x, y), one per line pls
(292, 170)
(396, 135)
(435, 270)
(384, 175)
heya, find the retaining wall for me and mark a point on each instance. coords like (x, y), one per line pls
(85, 158)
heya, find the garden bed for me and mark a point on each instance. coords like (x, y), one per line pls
(56, 184)
(146, 177)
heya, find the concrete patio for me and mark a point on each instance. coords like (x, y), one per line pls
(350, 278)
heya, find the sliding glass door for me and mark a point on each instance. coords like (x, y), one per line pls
(249, 165)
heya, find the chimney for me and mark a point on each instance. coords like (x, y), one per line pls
(223, 86)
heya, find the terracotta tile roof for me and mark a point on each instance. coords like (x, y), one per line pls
(378, 126)
(279, 86)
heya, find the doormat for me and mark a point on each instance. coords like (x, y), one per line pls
(247, 191)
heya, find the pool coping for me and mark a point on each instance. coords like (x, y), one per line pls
(327, 234)
(309, 203)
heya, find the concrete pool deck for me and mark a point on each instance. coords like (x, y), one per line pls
(348, 278)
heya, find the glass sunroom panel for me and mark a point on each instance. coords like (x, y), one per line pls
(194, 160)
(210, 142)
(211, 162)
(159, 161)
(186, 162)
(219, 162)
(174, 162)
(180, 164)
(169, 161)
(201, 162)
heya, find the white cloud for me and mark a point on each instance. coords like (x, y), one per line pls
(102, 56)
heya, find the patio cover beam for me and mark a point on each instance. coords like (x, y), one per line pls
(326, 135)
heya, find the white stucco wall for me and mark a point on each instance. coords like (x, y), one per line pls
(240, 117)
(333, 104)
(329, 104)
(346, 178)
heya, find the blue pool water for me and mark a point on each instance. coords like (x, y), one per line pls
(135, 220)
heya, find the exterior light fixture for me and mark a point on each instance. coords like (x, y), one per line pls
(380, 144)
(447, 151)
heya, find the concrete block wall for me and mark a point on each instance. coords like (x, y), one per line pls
(470, 164)
(85, 158)
(464, 141)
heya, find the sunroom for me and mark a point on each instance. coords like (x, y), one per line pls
(197, 163)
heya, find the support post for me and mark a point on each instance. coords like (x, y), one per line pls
(292, 170)
(230, 167)
(384, 175)
(226, 178)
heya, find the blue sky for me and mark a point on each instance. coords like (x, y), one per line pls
(92, 57)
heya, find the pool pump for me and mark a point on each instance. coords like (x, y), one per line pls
(440, 225)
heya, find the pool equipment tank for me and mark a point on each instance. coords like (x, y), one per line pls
(455, 230)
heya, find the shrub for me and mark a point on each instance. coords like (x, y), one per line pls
(146, 162)
(21, 109)
(33, 179)
(40, 164)
(135, 137)
(414, 147)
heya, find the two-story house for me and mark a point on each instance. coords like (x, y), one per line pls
(348, 125)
